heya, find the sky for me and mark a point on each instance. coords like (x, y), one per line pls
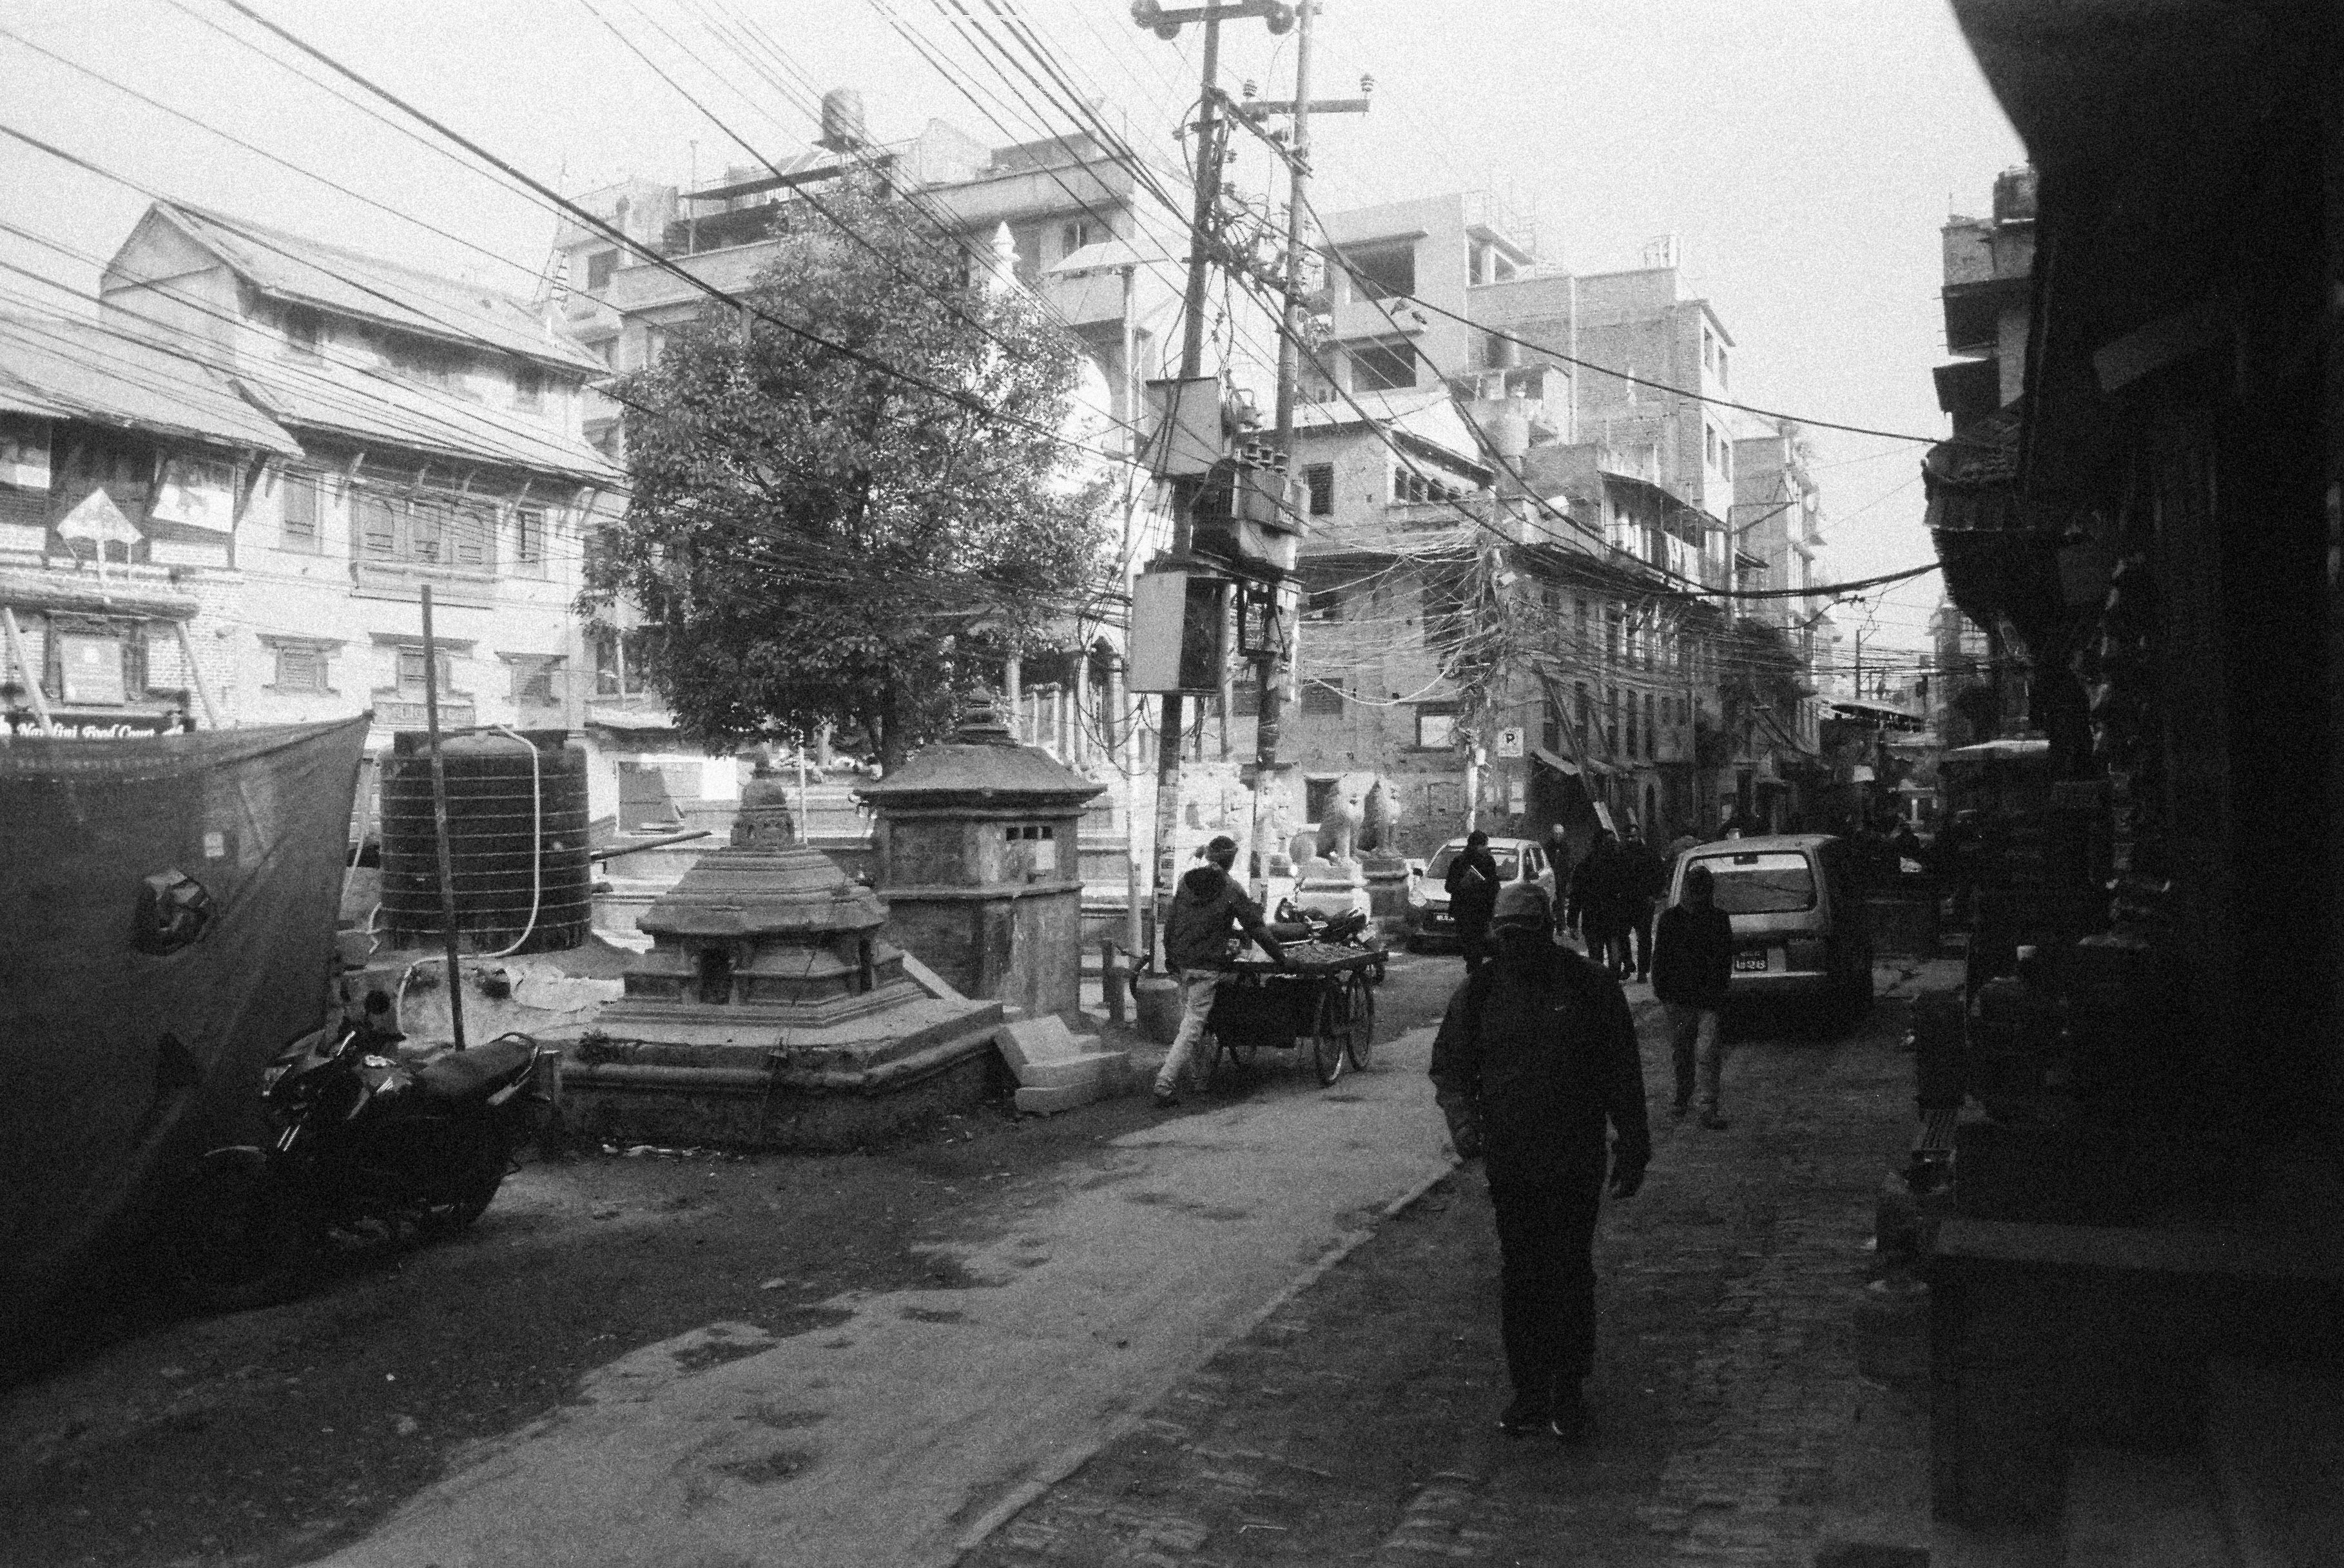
(1804, 153)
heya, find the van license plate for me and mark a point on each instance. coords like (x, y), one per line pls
(1743, 962)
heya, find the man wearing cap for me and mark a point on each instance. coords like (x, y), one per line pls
(1535, 1055)
(1207, 906)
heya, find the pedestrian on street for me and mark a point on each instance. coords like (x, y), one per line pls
(1597, 909)
(1643, 881)
(1686, 840)
(1472, 887)
(1693, 968)
(1536, 1054)
(1206, 909)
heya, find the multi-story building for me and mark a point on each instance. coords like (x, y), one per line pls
(1988, 308)
(435, 440)
(125, 471)
(1064, 218)
(1405, 283)
(1397, 503)
(1613, 497)
(1988, 265)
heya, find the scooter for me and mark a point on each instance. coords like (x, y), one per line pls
(368, 1152)
(1348, 929)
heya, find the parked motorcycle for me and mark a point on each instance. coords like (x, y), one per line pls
(368, 1152)
(1348, 929)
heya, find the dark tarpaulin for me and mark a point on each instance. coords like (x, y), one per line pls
(119, 1065)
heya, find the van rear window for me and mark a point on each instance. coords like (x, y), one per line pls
(1510, 864)
(1781, 883)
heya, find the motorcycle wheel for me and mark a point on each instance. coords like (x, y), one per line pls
(232, 1235)
(480, 1153)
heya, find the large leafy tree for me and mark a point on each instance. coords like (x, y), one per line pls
(855, 521)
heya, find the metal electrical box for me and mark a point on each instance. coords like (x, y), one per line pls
(1184, 427)
(1176, 631)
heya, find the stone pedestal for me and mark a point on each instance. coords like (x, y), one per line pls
(976, 856)
(771, 1011)
(1387, 884)
(1333, 887)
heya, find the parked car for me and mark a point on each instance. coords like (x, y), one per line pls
(1796, 906)
(1428, 920)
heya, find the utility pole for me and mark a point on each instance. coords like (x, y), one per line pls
(1277, 661)
(1266, 778)
(1166, 23)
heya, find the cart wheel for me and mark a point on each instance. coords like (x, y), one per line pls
(1329, 1024)
(1375, 971)
(1230, 1053)
(1359, 1043)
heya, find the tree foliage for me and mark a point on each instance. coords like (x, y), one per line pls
(813, 539)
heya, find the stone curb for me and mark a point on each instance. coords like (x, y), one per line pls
(1071, 1458)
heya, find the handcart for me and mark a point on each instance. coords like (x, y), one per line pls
(1321, 1002)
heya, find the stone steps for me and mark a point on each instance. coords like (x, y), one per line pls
(1058, 1070)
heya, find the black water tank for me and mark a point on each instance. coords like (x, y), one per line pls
(490, 822)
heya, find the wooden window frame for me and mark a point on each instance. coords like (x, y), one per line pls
(1318, 479)
(319, 650)
(290, 533)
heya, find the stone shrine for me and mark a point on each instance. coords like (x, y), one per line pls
(978, 853)
(771, 1011)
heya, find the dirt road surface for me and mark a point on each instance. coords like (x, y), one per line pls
(850, 1359)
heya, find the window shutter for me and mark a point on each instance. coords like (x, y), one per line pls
(1320, 477)
(300, 511)
(378, 526)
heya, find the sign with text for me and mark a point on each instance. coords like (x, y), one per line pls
(1509, 742)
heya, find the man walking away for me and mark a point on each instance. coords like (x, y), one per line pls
(1205, 910)
(1472, 887)
(1535, 1055)
(1691, 969)
(1596, 908)
(1643, 879)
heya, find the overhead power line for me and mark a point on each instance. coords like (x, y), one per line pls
(957, 396)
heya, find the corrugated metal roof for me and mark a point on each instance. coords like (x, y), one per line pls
(348, 282)
(327, 396)
(62, 369)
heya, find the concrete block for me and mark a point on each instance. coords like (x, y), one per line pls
(1026, 1042)
(1090, 1065)
(1048, 1101)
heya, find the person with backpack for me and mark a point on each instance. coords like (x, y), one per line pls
(1535, 1056)
(1472, 887)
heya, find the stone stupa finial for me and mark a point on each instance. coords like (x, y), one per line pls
(981, 721)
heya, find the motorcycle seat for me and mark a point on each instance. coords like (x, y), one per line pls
(477, 1073)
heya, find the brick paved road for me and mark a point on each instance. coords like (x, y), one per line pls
(1356, 1424)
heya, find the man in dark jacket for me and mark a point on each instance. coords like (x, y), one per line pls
(1208, 907)
(1692, 969)
(1472, 888)
(1536, 1053)
(1643, 878)
(1598, 907)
